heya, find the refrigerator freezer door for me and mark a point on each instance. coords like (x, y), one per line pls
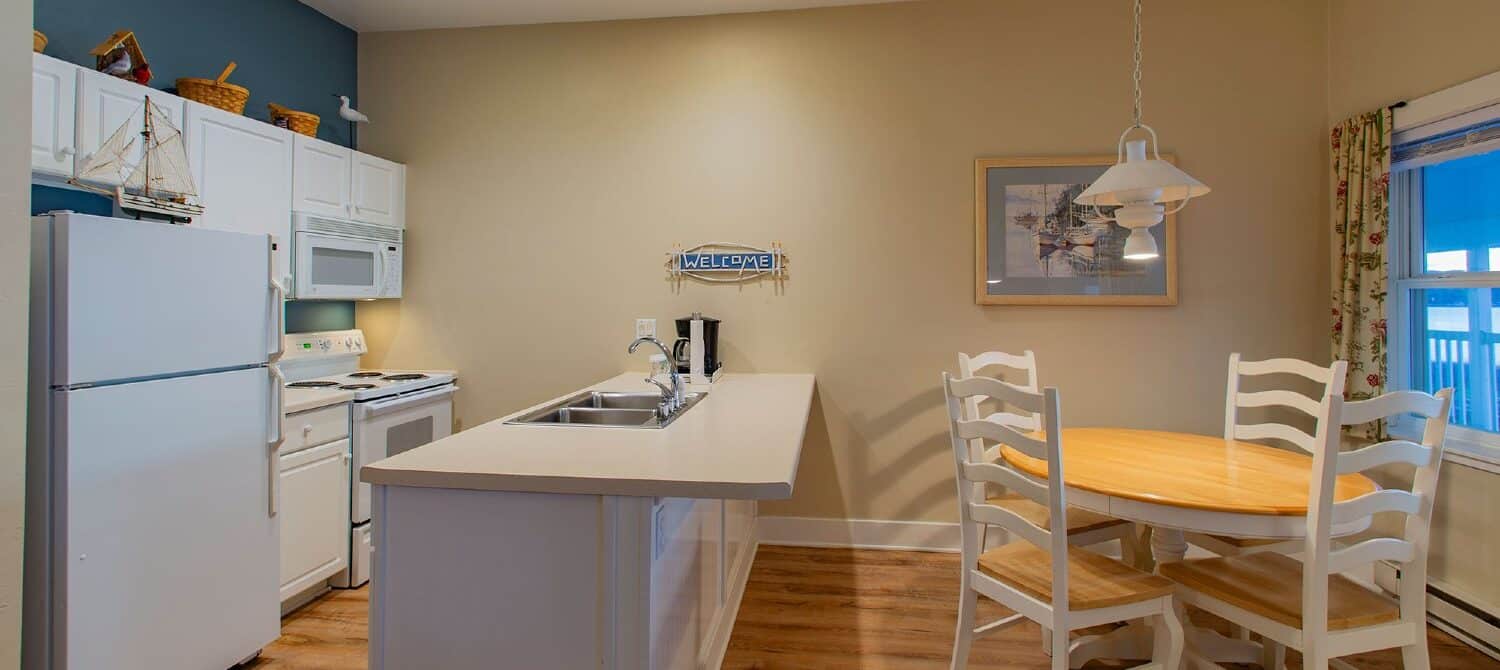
(135, 300)
(168, 558)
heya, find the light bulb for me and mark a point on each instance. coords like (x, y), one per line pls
(1141, 245)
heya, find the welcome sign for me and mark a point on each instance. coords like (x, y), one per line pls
(727, 262)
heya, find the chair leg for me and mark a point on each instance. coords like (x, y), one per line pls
(1414, 656)
(968, 601)
(1047, 641)
(1058, 642)
(1314, 658)
(1170, 641)
(1272, 654)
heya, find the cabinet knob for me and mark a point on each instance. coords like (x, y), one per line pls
(66, 151)
(307, 430)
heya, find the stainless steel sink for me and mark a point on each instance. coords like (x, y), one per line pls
(605, 409)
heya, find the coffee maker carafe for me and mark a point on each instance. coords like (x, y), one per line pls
(684, 348)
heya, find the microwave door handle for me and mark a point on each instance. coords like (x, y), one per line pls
(274, 428)
(378, 290)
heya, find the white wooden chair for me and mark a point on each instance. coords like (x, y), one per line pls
(1332, 380)
(1041, 578)
(1084, 527)
(1308, 605)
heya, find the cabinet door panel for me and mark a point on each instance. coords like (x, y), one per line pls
(379, 191)
(105, 103)
(243, 169)
(54, 89)
(314, 516)
(321, 178)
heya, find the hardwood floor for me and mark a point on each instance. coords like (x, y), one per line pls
(810, 608)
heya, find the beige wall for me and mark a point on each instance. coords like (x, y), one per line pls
(552, 166)
(1381, 51)
(15, 199)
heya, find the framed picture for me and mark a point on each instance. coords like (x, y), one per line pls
(1034, 246)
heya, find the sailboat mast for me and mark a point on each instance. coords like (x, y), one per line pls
(146, 187)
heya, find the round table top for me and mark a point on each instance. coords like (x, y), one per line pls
(1187, 470)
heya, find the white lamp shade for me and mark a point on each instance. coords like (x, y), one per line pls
(1141, 245)
(1139, 179)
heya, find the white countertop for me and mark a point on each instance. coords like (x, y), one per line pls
(743, 441)
(301, 400)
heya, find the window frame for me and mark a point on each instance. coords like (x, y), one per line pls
(1466, 445)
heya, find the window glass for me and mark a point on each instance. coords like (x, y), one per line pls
(1461, 215)
(342, 267)
(1456, 346)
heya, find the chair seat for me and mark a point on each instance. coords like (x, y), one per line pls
(1270, 585)
(1094, 581)
(1079, 520)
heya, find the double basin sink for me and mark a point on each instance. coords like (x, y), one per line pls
(606, 409)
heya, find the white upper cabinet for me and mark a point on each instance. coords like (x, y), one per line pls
(379, 191)
(54, 87)
(105, 103)
(243, 170)
(320, 178)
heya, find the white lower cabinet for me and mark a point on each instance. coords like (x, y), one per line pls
(314, 514)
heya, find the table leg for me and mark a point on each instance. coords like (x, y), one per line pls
(1168, 545)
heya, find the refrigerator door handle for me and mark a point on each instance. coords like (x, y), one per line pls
(278, 307)
(273, 466)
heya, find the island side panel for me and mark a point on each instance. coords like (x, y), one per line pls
(483, 579)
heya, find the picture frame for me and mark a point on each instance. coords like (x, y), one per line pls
(1033, 246)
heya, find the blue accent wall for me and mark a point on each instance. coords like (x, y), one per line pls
(287, 52)
(305, 316)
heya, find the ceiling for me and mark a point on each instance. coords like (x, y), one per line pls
(377, 15)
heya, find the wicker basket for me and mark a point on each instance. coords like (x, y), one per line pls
(215, 92)
(38, 41)
(297, 122)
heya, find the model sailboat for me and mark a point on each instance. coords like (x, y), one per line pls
(160, 184)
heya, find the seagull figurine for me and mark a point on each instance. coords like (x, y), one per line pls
(350, 114)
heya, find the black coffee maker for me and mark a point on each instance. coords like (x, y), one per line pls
(683, 346)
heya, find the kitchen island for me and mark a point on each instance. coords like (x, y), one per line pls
(554, 546)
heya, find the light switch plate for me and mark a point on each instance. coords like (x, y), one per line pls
(645, 327)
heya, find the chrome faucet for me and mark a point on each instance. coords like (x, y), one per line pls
(672, 398)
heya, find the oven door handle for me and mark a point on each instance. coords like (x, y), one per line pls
(378, 407)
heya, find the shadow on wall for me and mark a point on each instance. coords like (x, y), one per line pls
(828, 426)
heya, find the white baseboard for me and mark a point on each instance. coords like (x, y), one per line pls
(798, 531)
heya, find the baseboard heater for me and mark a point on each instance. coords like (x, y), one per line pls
(1464, 618)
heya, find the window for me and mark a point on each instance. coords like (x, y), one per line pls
(1445, 261)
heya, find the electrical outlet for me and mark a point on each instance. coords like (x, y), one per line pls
(645, 327)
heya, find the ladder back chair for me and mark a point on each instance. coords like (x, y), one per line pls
(1084, 527)
(1308, 605)
(1331, 378)
(1040, 578)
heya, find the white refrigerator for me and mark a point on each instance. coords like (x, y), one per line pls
(155, 415)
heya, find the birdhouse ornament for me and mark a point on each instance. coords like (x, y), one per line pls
(120, 55)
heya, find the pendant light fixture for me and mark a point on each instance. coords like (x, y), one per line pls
(1140, 188)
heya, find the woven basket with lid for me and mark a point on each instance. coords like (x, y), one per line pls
(291, 119)
(215, 92)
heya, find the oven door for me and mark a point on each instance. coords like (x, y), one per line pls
(338, 268)
(389, 426)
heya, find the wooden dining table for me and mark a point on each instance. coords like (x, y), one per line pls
(1178, 483)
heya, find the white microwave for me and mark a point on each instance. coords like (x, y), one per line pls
(334, 259)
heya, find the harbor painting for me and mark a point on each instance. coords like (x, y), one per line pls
(1036, 246)
(1047, 235)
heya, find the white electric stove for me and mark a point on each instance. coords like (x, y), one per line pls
(392, 411)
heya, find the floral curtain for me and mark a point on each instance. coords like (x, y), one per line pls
(1361, 153)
